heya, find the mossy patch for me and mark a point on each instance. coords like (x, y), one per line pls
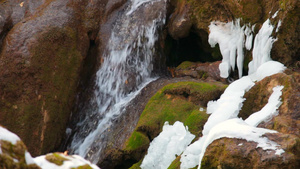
(172, 103)
(13, 156)
(175, 164)
(137, 140)
(185, 65)
(84, 167)
(56, 159)
(136, 165)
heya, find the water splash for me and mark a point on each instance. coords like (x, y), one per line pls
(126, 69)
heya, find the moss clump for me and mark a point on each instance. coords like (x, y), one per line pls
(185, 65)
(136, 165)
(137, 140)
(175, 164)
(84, 167)
(13, 156)
(56, 159)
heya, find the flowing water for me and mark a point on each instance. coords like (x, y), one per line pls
(126, 69)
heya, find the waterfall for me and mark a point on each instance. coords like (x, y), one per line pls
(125, 70)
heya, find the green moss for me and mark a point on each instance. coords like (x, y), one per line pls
(84, 167)
(136, 165)
(175, 164)
(170, 104)
(56, 159)
(137, 140)
(195, 121)
(185, 65)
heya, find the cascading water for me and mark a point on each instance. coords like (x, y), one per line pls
(125, 70)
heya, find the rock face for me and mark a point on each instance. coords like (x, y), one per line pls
(43, 48)
(195, 16)
(237, 153)
(209, 71)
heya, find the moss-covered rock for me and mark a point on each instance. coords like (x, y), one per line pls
(174, 102)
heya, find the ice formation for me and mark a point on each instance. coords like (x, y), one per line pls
(230, 37)
(227, 107)
(223, 121)
(170, 142)
(262, 46)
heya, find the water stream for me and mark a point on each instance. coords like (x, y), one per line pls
(126, 68)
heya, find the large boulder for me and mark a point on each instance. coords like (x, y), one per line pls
(40, 63)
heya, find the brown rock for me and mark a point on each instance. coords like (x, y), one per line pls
(40, 61)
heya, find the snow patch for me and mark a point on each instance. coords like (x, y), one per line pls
(28, 158)
(269, 110)
(169, 143)
(278, 26)
(275, 14)
(268, 68)
(237, 128)
(73, 161)
(8, 136)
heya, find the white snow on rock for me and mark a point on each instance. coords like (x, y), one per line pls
(269, 110)
(8, 136)
(237, 128)
(267, 69)
(229, 104)
(73, 161)
(164, 148)
(233, 127)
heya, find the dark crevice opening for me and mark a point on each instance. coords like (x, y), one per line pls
(193, 48)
